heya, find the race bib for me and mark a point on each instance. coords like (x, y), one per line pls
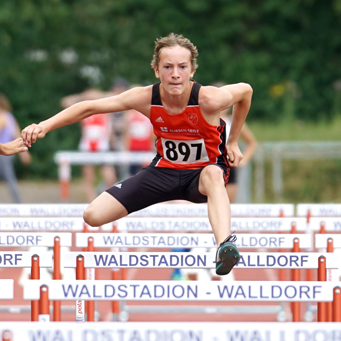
(184, 152)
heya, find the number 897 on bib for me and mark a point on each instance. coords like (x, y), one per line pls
(187, 151)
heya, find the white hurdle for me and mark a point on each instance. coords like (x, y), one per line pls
(252, 260)
(42, 224)
(265, 224)
(23, 259)
(318, 210)
(190, 240)
(330, 224)
(160, 260)
(47, 218)
(34, 259)
(33, 239)
(322, 218)
(42, 210)
(183, 291)
(200, 210)
(170, 209)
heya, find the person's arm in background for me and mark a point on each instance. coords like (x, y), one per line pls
(251, 145)
(25, 156)
(13, 147)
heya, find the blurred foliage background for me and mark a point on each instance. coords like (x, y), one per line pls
(289, 51)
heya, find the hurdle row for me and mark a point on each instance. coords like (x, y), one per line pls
(296, 242)
(157, 210)
(180, 260)
(170, 331)
(114, 240)
(184, 224)
(173, 209)
(80, 290)
(201, 240)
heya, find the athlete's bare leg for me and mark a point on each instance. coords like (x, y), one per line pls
(211, 184)
(104, 209)
(232, 191)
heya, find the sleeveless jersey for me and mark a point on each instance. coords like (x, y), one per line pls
(186, 140)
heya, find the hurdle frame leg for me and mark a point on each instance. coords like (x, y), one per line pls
(6, 335)
(336, 304)
(80, 275)
(321, 276)
(90, 275)
(35, 274)
(330, 248)
(295, 274)
(57, 276)
(44, 309)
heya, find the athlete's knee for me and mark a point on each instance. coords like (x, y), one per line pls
(91, 217)
(212, 175)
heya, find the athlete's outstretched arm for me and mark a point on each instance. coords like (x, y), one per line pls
(136, 98)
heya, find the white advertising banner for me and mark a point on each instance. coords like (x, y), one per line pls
(321, 240)
(182, 290)
(172, 331)
(190, 240)
(185, 260)
(318, 210)
(42, 210)
(200, 210)
(23, 259)
(330, 223)
(203, 224)
(31, 239)
(41, 224)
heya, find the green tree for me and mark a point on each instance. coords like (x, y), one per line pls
(53, 48)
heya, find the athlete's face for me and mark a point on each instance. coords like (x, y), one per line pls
(174, 69)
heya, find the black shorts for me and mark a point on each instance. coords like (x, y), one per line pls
(153, 185)
(233, 176)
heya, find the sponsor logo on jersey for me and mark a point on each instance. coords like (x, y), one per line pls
(193, 118)
(164, 129)
(160, 120)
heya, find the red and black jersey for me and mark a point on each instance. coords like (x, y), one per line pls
(186, 140)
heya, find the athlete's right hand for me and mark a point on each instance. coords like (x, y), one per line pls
(31, 133)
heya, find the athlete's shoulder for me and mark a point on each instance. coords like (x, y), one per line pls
(141, 91)
(212, 99)
(138, 98)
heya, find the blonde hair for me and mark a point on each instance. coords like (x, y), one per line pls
(173, 40)
(4, 103)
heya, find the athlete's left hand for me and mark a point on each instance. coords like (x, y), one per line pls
(234, 154)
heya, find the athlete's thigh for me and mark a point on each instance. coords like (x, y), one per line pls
(149, 186)
(104, 209)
